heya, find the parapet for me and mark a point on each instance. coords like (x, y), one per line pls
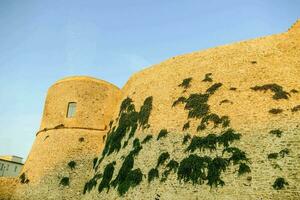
(80, 102)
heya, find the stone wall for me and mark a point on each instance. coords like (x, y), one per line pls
(238, 67)
(7, 187)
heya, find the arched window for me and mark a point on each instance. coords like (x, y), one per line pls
(71, 109)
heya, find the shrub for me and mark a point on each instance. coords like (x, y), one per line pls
(243, 168)
(276, 132)
(275, 111)
(133, 179)
(107, 176)
(179, 100)
(279, 183)
(152, 174)
(186, 138)
(186, 126)
(162, 158)
(207, 77)
(81, 139)
(162, 133)
(65, 181)
(212, 89)
(296, 108)
(278, 91)
(186, 83)
(72, 164)
(147, 139)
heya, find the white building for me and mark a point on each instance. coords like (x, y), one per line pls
(10, 166)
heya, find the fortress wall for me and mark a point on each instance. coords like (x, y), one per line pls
(272, 59)
(48, 162)
(7, 187)
(61, 139)
(95, 100)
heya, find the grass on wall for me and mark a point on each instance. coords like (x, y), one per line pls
(243, 168)
(212, 89)
(296, 108)
(91, 183)
(275, 111)
(178, 101)
(186, 138)
(23, 178)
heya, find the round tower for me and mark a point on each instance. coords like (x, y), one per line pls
(76, 117)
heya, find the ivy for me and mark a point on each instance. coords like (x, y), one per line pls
(72, 164)
(107, 176)
(279, 183)
(162, 158)
(91, 183)
(147, 139)
(212, 89)
(162, 133)
(276, 132)
(207, 77)
(152, 174)
(186, 83)
(65, 181)
(278, 91)
(186, 138)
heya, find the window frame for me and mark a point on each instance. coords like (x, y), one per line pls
(71, 109)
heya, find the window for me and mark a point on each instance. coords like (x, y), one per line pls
(7, 167)
(71, 109)
(16, 167)
(1, 168)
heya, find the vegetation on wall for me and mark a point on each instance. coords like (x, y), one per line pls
(162, 158)
(296, 108)
(91, 183)
(186, 126)
(147, 139)
(275, 111)
(152, 174)
(186, 138)
(129, 121)
(107, 176)
(23, 178)
(279, 183)
(65, 181)
(162, 133)
(207, 77)
(276, 132)
(186, 83)
(278, 91)
(72, 164)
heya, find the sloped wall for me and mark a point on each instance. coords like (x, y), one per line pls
(259, 94)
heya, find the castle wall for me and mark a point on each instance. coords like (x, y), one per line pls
(62, 140)
(7, 187)
(274, 59)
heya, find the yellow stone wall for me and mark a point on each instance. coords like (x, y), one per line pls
(61, 139)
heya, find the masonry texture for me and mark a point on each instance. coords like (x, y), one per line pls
(225, 124)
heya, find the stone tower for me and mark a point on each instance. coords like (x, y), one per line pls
(76, 117)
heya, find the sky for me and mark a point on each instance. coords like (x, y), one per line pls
(42, 41)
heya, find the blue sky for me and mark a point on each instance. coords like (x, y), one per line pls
(44, 40)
